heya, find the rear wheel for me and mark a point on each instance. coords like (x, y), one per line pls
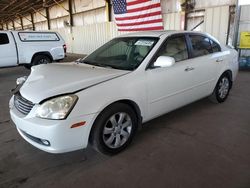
(222, 89)
(114, 129)
(41, 59)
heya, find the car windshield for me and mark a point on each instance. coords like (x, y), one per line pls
(122, 53)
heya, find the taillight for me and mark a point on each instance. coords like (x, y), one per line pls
(65, 48)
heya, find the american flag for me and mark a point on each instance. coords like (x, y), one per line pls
(138, 15)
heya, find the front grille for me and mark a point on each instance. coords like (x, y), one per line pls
(22, 105)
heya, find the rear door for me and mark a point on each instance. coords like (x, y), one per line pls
(206, 58)
(8, 55)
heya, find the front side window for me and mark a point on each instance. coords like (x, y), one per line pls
(201, 45)
(175, 47)
(122, 53)
(4, 39)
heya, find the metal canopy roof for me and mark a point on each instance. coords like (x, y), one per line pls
(11, 9)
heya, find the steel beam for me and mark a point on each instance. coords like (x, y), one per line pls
(48, 17)
(13, 24)
(32, 21)
(108, 10)
(236, 24)
(21, 21)
(71, 19)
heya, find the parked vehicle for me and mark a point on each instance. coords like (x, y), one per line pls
(103, 98)
(30, 48)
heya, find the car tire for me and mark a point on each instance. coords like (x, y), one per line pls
(41, 59)
(222, 89)
(114, 129)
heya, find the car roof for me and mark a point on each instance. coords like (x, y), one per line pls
(157, 33)
(164, 33)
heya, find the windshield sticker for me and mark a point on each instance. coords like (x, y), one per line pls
(144, 43)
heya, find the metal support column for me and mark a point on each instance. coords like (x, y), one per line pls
(71, 20)
(13, 24)
(108, 10)
(21, 21)
(32, 21)
(186, 15)
(237, 24)
(48, 17)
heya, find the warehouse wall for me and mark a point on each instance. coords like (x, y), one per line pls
(92, 29)
(244, 25)
(216, 22)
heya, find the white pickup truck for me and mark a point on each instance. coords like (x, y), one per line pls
(30, 48)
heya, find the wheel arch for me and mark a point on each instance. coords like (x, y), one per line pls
(230, 74)
(45, 53)
(128, 102)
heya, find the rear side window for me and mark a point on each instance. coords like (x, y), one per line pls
(4, 39)
(201, 45)
(215, 46)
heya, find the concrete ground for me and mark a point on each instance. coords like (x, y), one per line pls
(202, 145)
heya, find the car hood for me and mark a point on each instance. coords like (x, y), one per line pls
(60, 78)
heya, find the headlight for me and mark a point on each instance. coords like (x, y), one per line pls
(57, 108)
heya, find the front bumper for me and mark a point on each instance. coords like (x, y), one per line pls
(61, 137)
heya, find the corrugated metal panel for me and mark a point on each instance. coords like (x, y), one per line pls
(86, 5)
(244, 25)
(90, 17)
(213, 3)
(38, 17)
(57, 11)
(41, 26)
(216, 22)
(26, 21)
(245, 19)
(173, 21)
(59, 23)
(85, 39)
(170, 6)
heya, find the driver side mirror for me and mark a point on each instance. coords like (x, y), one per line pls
(164, 61)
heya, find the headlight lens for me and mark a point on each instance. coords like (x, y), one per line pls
(56, 108)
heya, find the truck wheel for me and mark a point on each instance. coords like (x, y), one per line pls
(41, 59)
(27, 66)
(114, 129)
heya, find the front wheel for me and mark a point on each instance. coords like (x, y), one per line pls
(222, 89)
(114, 129)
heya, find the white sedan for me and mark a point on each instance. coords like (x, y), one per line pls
(103, 98)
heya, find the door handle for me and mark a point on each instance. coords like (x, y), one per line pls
(189, 69)
(219, 60)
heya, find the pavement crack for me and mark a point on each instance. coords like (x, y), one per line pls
(22, 180)
(11, 140)
(5, 121)
(178, 131)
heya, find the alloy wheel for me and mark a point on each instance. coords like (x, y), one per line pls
(117, 130)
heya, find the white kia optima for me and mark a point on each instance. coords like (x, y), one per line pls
(103, 98)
